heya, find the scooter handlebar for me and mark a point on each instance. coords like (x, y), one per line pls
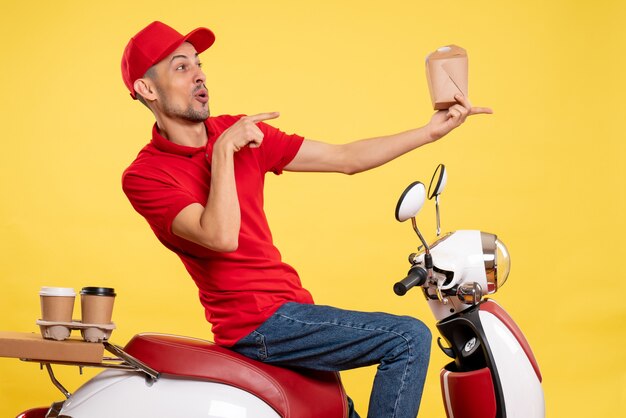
(416, 277)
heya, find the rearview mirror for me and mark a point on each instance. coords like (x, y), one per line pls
(437, 184)
(438, 181)
(411, 201)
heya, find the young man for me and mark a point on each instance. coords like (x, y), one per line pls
(199, 184)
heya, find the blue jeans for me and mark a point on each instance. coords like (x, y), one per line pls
(331, 339)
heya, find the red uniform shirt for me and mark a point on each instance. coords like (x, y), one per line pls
(241, 289)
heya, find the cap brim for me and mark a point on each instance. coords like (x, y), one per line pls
(200, 38)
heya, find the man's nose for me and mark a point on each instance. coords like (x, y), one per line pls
(200, 76)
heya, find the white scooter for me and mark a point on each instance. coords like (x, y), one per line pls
(494, 373)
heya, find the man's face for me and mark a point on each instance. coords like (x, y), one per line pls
(179, 83)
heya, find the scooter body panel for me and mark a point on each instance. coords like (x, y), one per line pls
(468, 394)
(167, 397)
(34, 413)
(521, 387)
(494, 371)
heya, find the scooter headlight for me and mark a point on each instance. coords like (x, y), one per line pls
(497, 261)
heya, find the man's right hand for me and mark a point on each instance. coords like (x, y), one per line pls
(245, 132)
(216, 225)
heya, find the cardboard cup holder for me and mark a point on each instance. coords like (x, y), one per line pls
(93, 333)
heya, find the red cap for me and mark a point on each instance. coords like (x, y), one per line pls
(153, 43)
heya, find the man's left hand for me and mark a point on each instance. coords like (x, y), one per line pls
(444, 121)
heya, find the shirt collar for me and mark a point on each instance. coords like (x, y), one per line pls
(165, 145)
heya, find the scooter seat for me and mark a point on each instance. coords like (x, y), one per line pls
(291, 393)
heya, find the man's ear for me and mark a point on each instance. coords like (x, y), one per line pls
(145, 87)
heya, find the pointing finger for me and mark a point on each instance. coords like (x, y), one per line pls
(477, 110)
(462, 100)
(263, 116)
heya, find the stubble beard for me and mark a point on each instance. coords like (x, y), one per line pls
(189, 114)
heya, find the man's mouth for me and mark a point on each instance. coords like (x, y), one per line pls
(201, 95)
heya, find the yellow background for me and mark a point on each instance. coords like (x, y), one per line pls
(546, 171)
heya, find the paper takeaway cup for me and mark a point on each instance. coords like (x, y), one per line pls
(57, 303)
(97, 309)
(97, 305)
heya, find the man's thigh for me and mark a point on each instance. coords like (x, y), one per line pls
(328, 338)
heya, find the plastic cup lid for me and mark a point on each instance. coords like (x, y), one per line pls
(98, 291)
(57, 291)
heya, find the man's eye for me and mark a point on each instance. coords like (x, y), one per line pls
(199, 65)
(181, 67)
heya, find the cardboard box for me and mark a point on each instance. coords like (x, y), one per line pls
(446, 73)
(33, 346)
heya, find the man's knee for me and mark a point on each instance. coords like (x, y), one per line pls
(417, 333)
(412, 338)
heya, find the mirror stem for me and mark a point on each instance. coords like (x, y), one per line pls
(437, 213)
(427, 257)
(419, 234)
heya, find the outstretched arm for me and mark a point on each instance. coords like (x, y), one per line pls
(366, 154)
